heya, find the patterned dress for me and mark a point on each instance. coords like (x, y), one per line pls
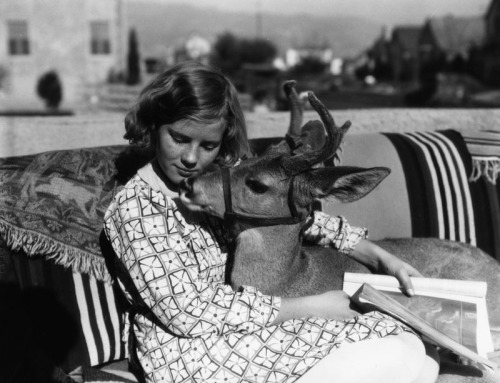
(199, 329)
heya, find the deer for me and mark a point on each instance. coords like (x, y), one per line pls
(267, 199)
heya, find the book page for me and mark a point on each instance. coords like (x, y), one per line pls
(456, 308)
(369, 298)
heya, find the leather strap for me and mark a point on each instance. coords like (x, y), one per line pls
(238, 222)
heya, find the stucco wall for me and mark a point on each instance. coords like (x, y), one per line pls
(59, 38)
(25, 135)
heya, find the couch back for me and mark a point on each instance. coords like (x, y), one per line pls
(52, 205)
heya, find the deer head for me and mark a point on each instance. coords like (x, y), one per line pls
(280, 186)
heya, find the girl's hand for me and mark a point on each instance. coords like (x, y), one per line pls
(381, 261)
(391, 265)
(335, 304)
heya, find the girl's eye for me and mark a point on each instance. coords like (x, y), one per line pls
(178, 139)
(210, 147)
(256, 186)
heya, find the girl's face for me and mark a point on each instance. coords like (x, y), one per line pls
(186, 148)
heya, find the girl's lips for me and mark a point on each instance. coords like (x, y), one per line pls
(186, 173)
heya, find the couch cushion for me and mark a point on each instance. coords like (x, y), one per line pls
(367, 150)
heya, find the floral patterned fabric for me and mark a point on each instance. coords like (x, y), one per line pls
(334, 232)
(197, 329)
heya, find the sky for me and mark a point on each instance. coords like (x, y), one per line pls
(387, 12)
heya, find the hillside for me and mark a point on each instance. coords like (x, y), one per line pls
(161, 25)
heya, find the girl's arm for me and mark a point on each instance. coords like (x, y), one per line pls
(337, 233)
(330, 305)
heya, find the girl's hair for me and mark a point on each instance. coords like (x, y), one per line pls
(189, 91)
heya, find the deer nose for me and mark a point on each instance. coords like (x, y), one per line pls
(186, 186)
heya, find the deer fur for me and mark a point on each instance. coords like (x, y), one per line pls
(274, 259)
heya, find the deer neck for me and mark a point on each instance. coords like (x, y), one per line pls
(266, 251)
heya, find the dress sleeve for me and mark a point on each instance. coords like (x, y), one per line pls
(336, 232)
(144, 233)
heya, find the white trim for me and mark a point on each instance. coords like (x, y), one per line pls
(85, 320)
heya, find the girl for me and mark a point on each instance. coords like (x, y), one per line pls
(191, 327)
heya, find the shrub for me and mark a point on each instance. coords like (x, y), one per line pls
(49, 89)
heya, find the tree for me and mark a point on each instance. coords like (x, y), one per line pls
(231, 52)
(49, 88)
(133, 60)
(226, 53)
(257, 51)
(309, 66)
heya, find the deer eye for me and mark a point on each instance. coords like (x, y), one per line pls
(256, 186)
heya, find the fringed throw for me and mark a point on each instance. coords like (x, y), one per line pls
(37, 244)
(52, 205)
(484, 147)
(488, 167)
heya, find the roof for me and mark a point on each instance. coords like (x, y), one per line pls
(458, 34)
(493, 4)
(407, 36)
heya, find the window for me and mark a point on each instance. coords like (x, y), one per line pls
(99, 38)
(19, 43)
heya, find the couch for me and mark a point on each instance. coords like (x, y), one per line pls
(64, 316)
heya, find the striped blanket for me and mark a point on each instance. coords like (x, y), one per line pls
(77, 318)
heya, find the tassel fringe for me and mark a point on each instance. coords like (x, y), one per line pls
(488, 167)
(34, 244)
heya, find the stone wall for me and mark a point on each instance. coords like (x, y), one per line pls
(26, 135)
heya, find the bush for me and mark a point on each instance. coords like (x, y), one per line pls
(230, 53)
(49, 89)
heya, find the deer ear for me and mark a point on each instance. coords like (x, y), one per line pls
(345, 183)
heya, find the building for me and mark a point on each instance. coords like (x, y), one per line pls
(84, 41)
(450, 39)
(490, 59)
(404, 53)
(195, 47)
(493, 23)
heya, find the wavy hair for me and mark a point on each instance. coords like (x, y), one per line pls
(189, 91)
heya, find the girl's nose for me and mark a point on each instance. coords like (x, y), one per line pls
(190, 158)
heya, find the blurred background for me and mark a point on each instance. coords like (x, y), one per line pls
(65, 57)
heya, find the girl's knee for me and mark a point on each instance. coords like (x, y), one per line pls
(394, 358)
(416, 361)
(411, 353)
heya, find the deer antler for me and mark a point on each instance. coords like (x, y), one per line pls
(295, 108)
(335, 135)
(292, 137)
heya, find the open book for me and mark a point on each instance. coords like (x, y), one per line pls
(369, 298)
(455, 308)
